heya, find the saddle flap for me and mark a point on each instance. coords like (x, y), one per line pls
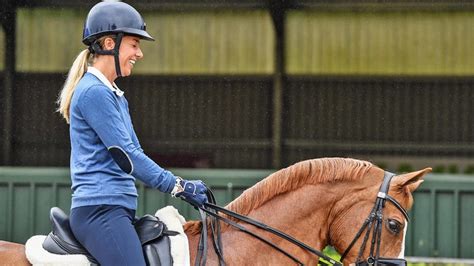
(149, 228)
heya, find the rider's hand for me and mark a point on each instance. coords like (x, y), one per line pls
(191, 191)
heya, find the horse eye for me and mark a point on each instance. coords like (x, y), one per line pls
(393, 226)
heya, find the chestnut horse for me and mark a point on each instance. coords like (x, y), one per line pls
(319, 202)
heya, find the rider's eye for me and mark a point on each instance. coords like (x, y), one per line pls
(393, 226)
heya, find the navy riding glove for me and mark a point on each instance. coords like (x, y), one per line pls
(191, 191)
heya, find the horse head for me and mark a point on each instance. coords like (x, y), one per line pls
(350, 226)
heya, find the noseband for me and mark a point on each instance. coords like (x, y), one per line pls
(374, 223)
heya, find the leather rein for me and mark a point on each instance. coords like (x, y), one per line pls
(210, 213)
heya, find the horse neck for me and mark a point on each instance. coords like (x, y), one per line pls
(302, 214)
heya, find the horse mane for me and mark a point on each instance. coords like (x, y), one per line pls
(313, 171)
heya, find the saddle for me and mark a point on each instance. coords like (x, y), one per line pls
(153, 235)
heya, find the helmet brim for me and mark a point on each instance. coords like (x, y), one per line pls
(126, 31)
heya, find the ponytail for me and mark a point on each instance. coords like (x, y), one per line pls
(78, 68)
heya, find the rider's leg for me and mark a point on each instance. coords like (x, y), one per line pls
(107, 232)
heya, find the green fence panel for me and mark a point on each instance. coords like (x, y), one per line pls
(441, 224)
(466, 230)
(442, 218)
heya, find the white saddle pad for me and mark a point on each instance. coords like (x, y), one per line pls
(169, 215)
(40, 257)
(179, 243)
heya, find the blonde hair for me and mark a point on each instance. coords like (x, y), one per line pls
(78, 68)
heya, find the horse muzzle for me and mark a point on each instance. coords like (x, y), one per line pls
(382, 262)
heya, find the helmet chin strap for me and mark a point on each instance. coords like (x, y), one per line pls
(95, 48)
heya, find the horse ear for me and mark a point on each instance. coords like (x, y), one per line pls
(410, 181)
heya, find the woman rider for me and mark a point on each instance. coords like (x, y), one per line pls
(106, 156)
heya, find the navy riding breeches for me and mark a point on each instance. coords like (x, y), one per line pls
(107, 232)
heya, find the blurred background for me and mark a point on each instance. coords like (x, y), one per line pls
(236, 85)
(259, 84)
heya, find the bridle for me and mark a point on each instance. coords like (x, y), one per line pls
(373, 222)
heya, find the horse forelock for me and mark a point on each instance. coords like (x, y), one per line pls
(313, 171)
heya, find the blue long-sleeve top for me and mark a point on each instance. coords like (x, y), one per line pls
(106, 156)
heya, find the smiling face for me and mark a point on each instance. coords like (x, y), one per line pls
(130, 53)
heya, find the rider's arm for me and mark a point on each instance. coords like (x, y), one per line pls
(105, 114)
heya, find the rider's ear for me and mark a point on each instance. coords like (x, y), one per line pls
(109, 43)
(410, 181)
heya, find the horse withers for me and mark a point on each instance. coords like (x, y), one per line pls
(319, 202)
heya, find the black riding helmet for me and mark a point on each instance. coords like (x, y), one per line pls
(113, 18)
